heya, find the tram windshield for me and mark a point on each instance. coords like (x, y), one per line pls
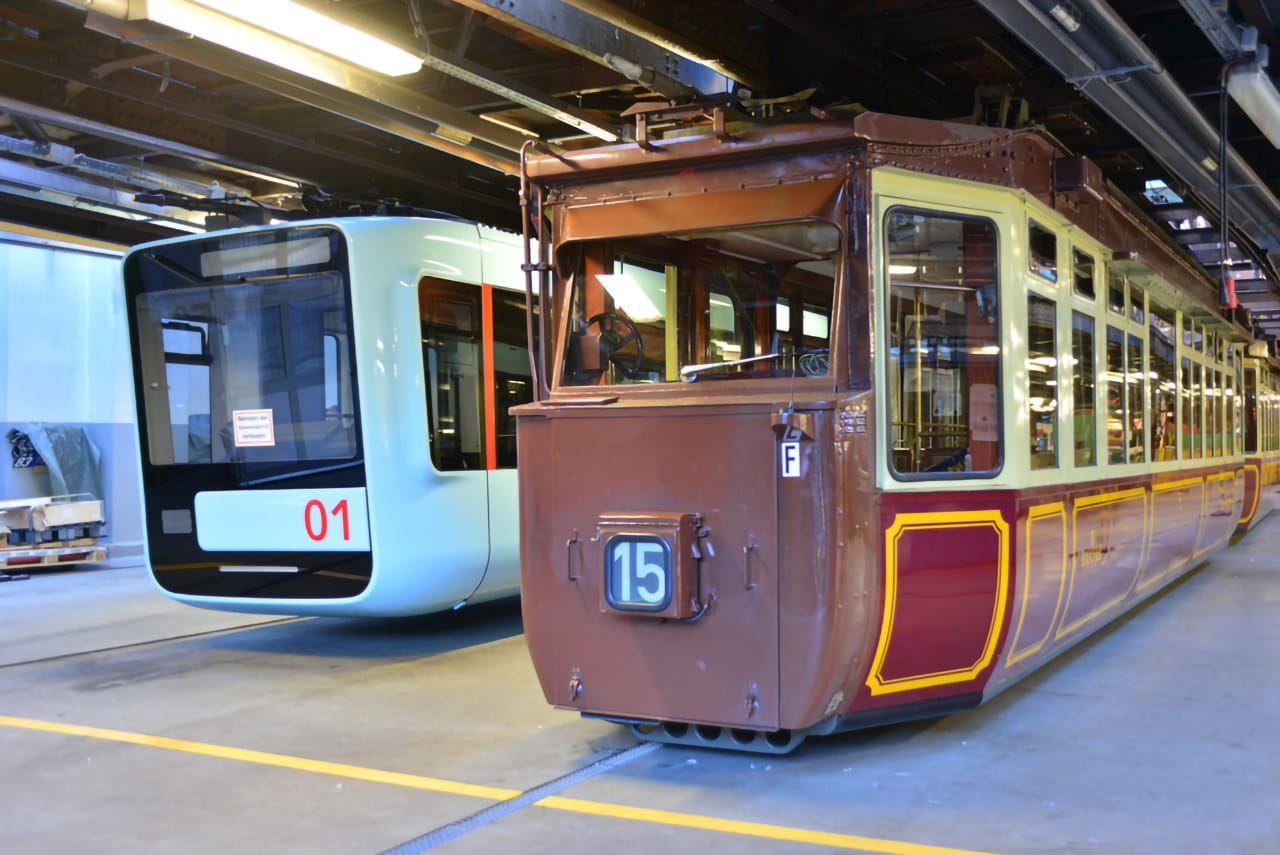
(746, 302)
(241, 365)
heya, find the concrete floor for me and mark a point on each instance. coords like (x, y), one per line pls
(1158, 734)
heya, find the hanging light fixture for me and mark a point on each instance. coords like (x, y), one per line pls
(281, 32)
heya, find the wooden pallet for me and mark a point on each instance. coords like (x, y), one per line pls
(7, 548)
(22, 560)
(46, 512)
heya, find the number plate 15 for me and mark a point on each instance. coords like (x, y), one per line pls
(637, 572)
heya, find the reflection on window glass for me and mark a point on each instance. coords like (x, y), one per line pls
(1043, 251)
(1135, 384)
(1042, 376)
(1082, 267)
(1084, 417)
(1164, 384)
(247, 371)
(451, 355)
(731, 303)
(944, 343)
(1116, 431)
(1115, 292)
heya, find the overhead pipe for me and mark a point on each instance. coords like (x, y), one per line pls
(134, 176)
(1090, 43)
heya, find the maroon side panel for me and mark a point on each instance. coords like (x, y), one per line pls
(1109, 535)
(948, 580)
(946, 562)
(1177, 519)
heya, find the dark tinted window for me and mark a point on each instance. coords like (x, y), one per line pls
(513, 384)
(1082, 268)
(452, 356)
(1042, 251)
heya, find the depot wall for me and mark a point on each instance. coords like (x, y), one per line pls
(64, 358)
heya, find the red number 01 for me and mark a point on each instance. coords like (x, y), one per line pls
(339, 509)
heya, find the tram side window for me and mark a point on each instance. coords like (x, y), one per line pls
(1042, 252)
(1115, 292)
(1188, 412)
(452, 357)
(1251, 410)
(1135, 386)
(513, 382)
(1082, 269)
(1084, 417)
(1116, 433)
(1164, 384)
(1210, 415)
(1197, 411)
(1219, 415)
(944, 344)
(1229, 406)
(1042, 377)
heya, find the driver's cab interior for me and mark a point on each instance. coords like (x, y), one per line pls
(745, 302)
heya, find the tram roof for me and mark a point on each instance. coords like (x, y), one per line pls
(1027, 159)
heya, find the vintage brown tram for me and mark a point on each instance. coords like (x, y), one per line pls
(848, 422)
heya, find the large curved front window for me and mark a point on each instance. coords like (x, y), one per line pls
(744, 302)
(244, 350)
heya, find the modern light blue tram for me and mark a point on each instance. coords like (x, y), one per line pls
(322, 414)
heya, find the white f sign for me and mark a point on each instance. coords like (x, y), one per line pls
(790, 452)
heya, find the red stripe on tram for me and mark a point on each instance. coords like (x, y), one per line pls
(490, 380)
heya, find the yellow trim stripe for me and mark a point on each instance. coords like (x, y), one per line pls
(902, 523)
(441, 785)
(1257, 492)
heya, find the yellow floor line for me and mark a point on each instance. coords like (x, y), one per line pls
(459, 788)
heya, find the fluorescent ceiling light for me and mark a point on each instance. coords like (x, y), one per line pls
(1253, 90)
(301, 31)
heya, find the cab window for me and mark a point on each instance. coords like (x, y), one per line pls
(739, 303)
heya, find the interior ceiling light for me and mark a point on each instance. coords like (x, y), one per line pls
(223, 22)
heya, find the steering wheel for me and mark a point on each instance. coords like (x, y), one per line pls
(613, 339)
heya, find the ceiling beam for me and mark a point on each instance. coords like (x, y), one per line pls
(570, 28)
(625, 19)
(50, 185)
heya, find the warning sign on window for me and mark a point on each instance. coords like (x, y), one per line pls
(253, 427)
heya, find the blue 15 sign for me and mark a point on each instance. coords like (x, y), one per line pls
(638, 572)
